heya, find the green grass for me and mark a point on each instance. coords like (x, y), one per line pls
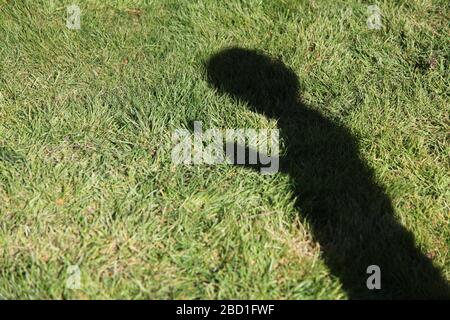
(86, 118)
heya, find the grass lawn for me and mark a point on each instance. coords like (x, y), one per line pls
(86, 177)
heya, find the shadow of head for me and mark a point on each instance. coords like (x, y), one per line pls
(265, 83)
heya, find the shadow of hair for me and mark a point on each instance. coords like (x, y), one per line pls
(350, 214)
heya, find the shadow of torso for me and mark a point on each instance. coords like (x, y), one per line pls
(350, 214)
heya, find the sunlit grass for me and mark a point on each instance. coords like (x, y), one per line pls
(86, 118)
